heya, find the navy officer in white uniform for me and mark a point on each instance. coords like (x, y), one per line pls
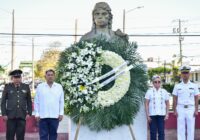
(185, 96)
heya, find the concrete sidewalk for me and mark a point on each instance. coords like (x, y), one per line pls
(35, 136)
(63, 131)
(171, 134)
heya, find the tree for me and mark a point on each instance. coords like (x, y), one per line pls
(48, 60)
(1, 69)
(175, 75)
(158, 70)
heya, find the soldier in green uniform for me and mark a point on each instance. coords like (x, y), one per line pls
(16, 106)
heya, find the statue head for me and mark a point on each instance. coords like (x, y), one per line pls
(103, 9)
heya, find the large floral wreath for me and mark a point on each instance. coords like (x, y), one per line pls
(104, 82)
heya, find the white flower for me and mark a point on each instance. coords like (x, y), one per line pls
(90, 44)
(74, 55)
(79, 59)
(74, 80)
(99, 50)
(83, 69)
(71, 66)
(80, 100)
(122, 83)
(79, 70)
(85, 92)
(84, 108)
(90, 65)
(81, 76)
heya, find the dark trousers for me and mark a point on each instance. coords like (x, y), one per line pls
(48, 129)
(157, 125)
(15, 126)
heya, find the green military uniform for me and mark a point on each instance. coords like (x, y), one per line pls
(16, 104)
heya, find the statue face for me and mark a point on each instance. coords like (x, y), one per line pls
(101, 18)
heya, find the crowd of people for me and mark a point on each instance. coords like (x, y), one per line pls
(16, 106)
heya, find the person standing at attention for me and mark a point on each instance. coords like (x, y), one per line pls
(49, 106)
(157, 108)
(185, 99)
(16, 106)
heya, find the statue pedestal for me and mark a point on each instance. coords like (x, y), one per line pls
(119, 133)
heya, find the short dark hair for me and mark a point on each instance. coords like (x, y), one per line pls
(50, 70)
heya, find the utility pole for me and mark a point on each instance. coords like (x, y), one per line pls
(13, 43)
(181, 38)
(76, 26)
(124, 12)
(164, 72)
(33, 79)
(180, 42)
(124, 15)
(158, 61)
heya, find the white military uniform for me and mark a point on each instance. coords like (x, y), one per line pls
(185, 108)
(157, 100)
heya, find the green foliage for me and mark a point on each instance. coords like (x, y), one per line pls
(168, 87)
(48, 61)
(126, 109)
(175, 75)
(161, 70)
(1, 69)
(158, 70)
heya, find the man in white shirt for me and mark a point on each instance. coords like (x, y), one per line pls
(49, 106)
(185, 105)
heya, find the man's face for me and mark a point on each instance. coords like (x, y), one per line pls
(17, 80)
(101, 18)
(185, 75)
(50, 76)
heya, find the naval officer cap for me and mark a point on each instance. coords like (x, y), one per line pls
(16, 73)
(185, 68)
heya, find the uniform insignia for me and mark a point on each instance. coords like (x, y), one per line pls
(24, 91)
(11, 91)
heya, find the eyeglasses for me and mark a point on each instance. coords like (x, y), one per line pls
(156, 82)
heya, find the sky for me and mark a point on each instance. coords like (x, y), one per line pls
(58, 17)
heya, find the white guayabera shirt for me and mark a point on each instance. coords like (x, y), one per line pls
(49, 101)
(157, 100)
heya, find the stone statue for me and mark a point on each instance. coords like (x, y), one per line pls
(102, 25)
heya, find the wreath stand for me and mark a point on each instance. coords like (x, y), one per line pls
(79, 125)
(79, 132)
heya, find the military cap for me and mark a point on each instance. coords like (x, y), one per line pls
(16, 73)
(185, 68)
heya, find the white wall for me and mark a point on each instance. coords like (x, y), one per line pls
(119, 133)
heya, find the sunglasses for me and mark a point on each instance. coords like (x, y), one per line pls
(157, 82)
(184, 72)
